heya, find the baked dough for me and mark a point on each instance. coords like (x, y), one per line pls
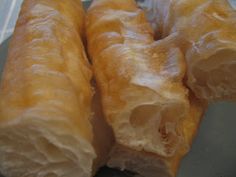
(146, 164)
(206, 32)
(45, 105)
(142, 91)
(140, 81)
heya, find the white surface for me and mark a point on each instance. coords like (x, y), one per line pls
(9, 10)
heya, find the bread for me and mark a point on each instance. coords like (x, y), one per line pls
(206, 31)
(146, 164)
(46, 95)
(134, 77)
(141, 86)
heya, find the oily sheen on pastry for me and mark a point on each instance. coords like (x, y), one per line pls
(206, 31)
(45, 105)
(141, 86)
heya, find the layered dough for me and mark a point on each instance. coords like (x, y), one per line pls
(141, 85)
(45, 106)
(206, 32)
(146, 164)
(140, 81)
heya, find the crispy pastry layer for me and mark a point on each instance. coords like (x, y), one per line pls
(140, 81)
(150, 164)
(45, 127)
(206, 31)
(141, 85)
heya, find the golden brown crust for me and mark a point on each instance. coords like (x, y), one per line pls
(190, 127)
(206, 31)
(46, 94)
(137, 76)
(152, 165)
(139, 80)
(43, 56)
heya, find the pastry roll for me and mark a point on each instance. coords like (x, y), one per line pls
(206, 30)
(147, 164)
(140, 81)
(45, 105)
(141, 87)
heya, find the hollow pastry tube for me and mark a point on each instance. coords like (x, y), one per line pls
(45, 95)
(141, 86)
